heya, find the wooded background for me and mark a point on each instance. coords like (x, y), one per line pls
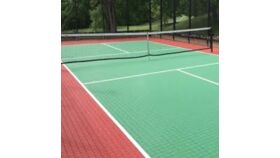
(117, 15)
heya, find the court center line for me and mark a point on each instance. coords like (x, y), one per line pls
(116, 48)
(150, 73)
(123, 130)
(199, 77)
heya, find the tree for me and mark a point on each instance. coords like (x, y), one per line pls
(74, 14)
(108, 7)
(108, 14)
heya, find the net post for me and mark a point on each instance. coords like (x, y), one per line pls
(148, 47)
(211, 40)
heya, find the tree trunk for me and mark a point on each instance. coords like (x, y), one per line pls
(110, 16)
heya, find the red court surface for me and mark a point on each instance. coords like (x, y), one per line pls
(87, 132)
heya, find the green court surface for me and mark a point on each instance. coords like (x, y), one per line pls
(168, 104)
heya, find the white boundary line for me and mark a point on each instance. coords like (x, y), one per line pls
(127, 77)
(150, 73)
(116, 48)
(109, 115)
(199, 77)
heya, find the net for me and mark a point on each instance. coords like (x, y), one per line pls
(109, 46)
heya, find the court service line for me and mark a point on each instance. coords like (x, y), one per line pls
(150, 73)
(116, 48)
(199, 77)
(123, 130)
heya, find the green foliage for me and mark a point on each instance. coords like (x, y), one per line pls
(88, 14)
(138, 11)
(74, 14)
(96, 18)
(67, 15)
